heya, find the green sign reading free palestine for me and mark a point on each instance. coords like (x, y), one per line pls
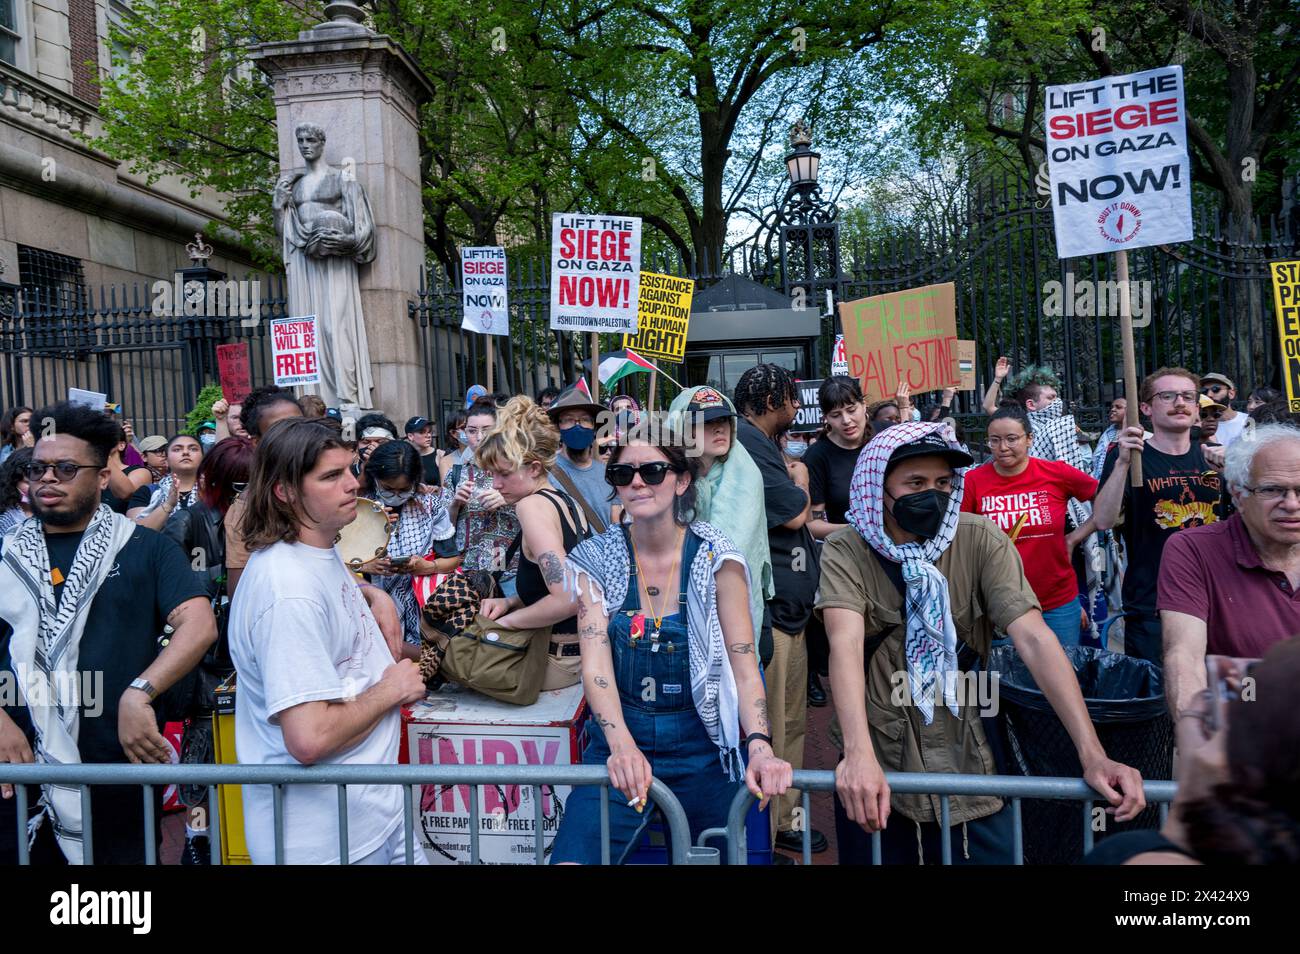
(902, 336)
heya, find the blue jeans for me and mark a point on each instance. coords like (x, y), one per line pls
(681, 755)
(1064, 622)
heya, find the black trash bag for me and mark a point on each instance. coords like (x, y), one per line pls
(1125, 698)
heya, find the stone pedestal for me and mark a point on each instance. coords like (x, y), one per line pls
(365, 91)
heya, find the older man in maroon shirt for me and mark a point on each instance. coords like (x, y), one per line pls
(1232, 588)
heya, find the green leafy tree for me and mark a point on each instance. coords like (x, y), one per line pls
(184, 100)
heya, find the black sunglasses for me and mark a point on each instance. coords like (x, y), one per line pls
(64, 470)
(620, 475)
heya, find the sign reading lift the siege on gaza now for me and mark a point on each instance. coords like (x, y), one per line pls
(595, 264)
(1117, 162)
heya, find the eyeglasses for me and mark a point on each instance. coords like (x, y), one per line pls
(64, 470)
(1213, 387)
(1169, 397)
(653, 474)
(1011, 441)
(1271, 493)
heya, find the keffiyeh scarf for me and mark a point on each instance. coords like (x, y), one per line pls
(1055, 438)
(184, 501)
(931, 641)
(423, 520)
(604, 561)
(46, 644)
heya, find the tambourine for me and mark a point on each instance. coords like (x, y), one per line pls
(365, 538)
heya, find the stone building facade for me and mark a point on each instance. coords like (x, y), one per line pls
(69, 214)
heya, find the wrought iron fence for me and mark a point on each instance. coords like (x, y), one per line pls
(119, 341)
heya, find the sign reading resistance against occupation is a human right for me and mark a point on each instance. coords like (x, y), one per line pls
(483, 284)
(903, 336)
(1286, 302)
(293, 351)
(663, 317)
(595, 260)
(1117, 162)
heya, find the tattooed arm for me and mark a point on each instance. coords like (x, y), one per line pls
(195, 630)
(543, 543)
(629, 771)
(767, 775)
(819, 524)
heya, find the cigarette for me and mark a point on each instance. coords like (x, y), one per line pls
(637, 803)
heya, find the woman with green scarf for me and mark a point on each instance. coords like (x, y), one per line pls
(730, 487)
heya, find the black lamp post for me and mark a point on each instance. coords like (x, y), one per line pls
(808, 236)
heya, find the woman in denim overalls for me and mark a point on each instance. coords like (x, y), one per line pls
(668, 662)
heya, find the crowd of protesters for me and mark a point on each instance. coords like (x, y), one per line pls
(881, 549)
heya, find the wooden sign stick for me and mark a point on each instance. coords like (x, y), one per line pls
(1130, 363)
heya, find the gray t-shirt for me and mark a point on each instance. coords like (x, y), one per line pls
(590, 482)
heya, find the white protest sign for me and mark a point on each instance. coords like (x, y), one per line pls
(839, 360)
(595, 263)
(91, 399)
(1117, 162)
(483, 283)
(293, 351)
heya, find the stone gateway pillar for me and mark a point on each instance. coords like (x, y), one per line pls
(364, 91)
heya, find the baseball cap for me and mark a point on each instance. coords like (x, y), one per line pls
(475, 392)
(1219, 379)
(154, 442)
(931, 445)
(710, 405)
(208, 426)
(417, 423)
(1206, 404)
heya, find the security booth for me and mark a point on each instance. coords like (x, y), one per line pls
(737, 323)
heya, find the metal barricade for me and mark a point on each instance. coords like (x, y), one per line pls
(407, 776)
(1011, 787)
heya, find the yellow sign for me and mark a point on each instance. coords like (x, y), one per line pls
(663, 312)
(1286, 301)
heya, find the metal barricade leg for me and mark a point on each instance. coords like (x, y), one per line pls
(343, 824)
(150, 845)
(87, 828)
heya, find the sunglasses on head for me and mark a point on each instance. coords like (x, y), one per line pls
(653, 474)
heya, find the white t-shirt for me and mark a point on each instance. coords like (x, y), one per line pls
(1229, 431)
(300, 631)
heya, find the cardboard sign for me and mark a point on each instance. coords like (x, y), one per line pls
(809, 418)
(663, 313)
(483, 290)
(839, 358)
(966, 364)
(235, 372)
(293, 351)
(595, 260)
(1286, 305)
(1117, 162)
(903, 336)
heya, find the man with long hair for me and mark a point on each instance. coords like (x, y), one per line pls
(318, 683)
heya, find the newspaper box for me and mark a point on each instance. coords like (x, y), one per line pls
(457, 726)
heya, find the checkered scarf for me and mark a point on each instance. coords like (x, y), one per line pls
(931, 641)
(1054, 438)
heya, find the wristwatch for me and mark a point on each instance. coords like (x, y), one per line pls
(144, 686)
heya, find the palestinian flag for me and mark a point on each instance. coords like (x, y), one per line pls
(616, 365)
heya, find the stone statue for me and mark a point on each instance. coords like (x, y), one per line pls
(324, 217)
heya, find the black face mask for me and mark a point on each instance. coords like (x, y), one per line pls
(921, 513)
